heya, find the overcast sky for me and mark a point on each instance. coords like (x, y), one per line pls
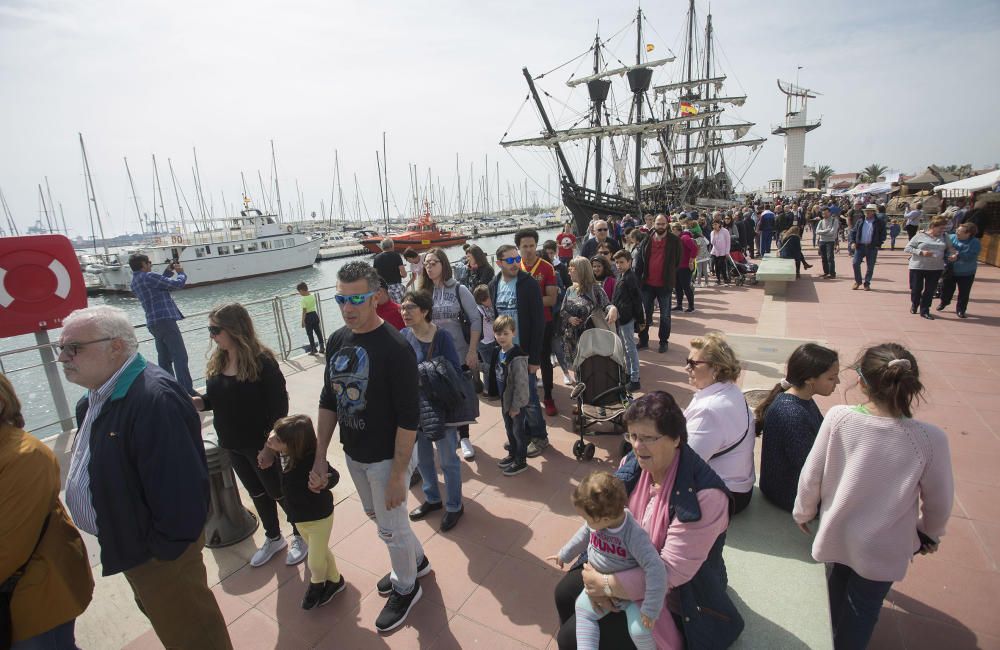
(903, 84)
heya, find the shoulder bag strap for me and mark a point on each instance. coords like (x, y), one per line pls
(737, 443)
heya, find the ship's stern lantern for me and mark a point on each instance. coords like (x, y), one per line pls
(598, 89)
(639, 79)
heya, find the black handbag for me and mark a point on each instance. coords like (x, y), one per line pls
(463, 318)
(7, 594)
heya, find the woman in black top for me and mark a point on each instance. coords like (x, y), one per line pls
(480, 271)
(790, 420)
(246, 390)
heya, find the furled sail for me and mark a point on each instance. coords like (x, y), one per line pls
(572, 83)
(648, 128)
(693, 83)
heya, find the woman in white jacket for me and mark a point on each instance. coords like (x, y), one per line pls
(720, 251)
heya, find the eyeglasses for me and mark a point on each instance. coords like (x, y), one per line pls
(601, 229)
(356, 299)
(693, 363)
(635, 439)
(73, 349)
(431, 261)
(408, 306)
(214, 330)
(510, 260)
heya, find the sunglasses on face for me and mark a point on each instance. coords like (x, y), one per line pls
(214, 330)
(602, 230)
(510, 260)
(407, 306)
(356, 299)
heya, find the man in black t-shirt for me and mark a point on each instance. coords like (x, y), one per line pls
(370, 392)
(392, 269)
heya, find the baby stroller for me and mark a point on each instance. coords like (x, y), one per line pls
(743, 270)
(602, 392)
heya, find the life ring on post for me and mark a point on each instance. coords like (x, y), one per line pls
(288, 230)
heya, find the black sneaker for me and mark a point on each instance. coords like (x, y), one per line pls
(330, 590)
(384, 585)
(634, 385)
(515, 468)
(313, 594)
(663, 347)
(505, 462)
(397, 608)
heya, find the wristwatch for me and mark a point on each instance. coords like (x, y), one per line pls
(607, 587)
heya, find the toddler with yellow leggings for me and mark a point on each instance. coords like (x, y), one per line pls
(312, 512)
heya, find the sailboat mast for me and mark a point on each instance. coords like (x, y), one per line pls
(277, 189)
(385, 165)
(52, 206)
(159, 189)
(62, 215)
(177, 196)
(458, 172)
(340, 188)
(135, 197)
(92, 197)
(8, 215)
(548, 126)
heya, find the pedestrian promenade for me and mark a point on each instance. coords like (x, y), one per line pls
(491, 588)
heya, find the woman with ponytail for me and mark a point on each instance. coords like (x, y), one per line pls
(882, 484)
(790, 420)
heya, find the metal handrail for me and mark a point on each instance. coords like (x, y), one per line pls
(278, 318)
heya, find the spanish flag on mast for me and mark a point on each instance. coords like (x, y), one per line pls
(687, 108)
(650, 47)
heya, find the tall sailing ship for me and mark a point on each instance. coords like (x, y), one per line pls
(667, 143)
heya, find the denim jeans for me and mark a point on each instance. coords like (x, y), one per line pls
(855, 603)
(171, 355)
(516, 435)
(826, 256)
(61, 637)
(662, 297)
(868, 253)
(448, 459)
(263, 486)
(766, 238)
(405, 550)
(533, 421)
(627, 332)
(312, 328)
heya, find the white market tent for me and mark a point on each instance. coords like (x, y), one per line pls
(870, 188)
(967, 186)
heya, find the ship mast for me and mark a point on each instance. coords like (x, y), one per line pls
(708, 134)
(598, 90)
(639, 78)
(548, 126)
(135, 197)
(690, 72)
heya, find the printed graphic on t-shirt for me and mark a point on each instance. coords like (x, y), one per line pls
(348, 376)
(608, 544)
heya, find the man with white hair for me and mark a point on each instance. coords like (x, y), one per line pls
(601, 237)
(138, 479)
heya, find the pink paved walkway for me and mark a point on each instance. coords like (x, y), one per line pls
(491, 587)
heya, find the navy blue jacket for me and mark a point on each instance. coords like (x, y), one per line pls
(530, 314)
(878, 232)
(148, 475)
(709, 619)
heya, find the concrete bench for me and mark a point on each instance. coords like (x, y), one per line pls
(775, 272)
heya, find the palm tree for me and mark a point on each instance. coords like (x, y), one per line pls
(821, 175)
(871, 173)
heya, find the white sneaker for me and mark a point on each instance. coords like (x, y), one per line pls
(538, 383)
(468, 452)
(298, 550)
(567, 381)
(267, 551)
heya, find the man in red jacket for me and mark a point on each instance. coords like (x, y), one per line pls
(386, 308)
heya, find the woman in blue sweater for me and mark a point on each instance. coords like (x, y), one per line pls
(790, 420)
(963, 269)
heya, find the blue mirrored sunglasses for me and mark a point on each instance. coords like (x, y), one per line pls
(510, 260)
(356, 299)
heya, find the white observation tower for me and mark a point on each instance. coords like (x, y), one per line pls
(794, 130)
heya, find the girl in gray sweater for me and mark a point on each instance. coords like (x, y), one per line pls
(614, 542)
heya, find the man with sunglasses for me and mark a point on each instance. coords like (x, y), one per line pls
(138, 479)
(153, 291)
(601, 238)
(370, 394)
(516, 294)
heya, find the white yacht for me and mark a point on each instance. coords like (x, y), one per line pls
(249, 245)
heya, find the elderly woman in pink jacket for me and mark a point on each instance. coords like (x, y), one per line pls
(721, 240)
(882, 484)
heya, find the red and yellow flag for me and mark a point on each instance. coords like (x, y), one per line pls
(687, 108)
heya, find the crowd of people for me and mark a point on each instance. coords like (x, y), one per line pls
(422, 337)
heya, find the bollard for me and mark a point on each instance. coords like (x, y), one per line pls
(228, 521)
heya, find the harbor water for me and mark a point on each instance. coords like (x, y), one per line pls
(277, 322)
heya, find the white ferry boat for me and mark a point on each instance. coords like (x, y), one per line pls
(250, 245)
